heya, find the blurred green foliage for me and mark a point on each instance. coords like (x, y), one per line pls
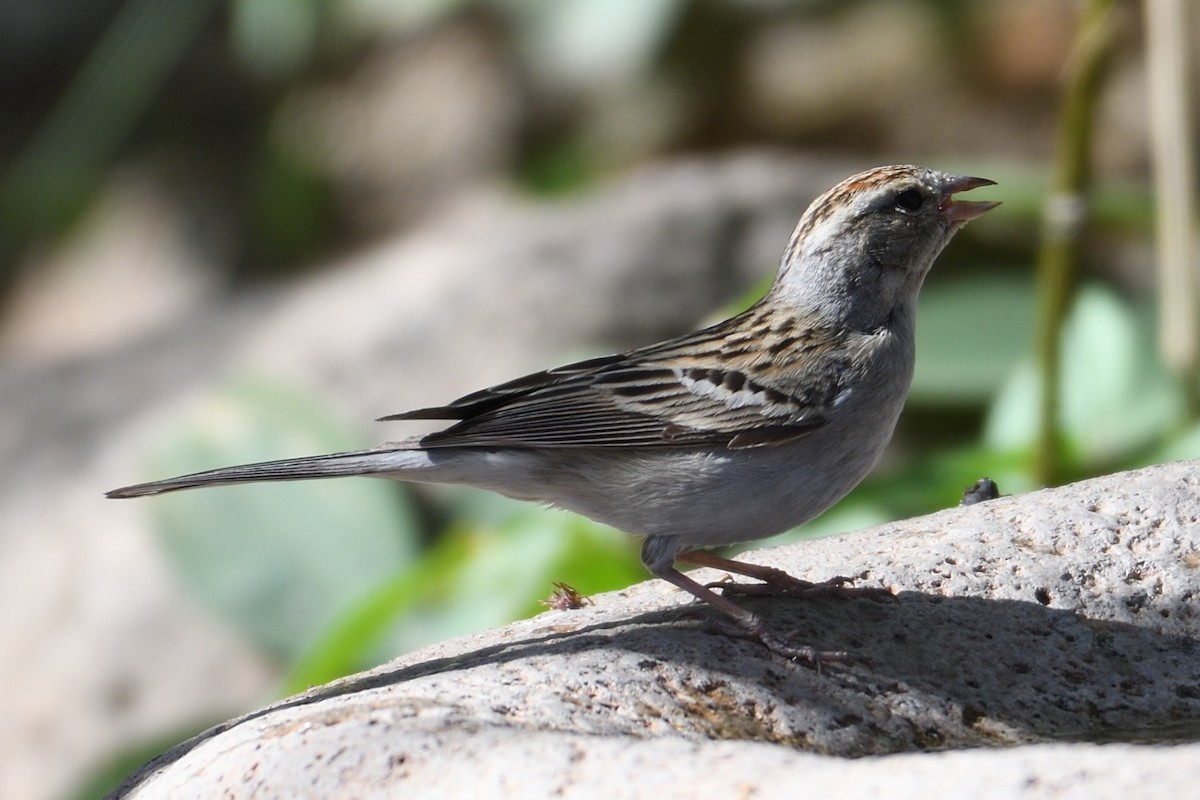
(205, 81)
(495, 561)
(330, 577)
(53, 178)
(280, 563)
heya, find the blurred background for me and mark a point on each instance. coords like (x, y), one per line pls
(241, 229)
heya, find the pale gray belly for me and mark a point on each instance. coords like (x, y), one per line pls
(704, 497)
(707, 498)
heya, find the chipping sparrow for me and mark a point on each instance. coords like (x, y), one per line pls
(736, 432)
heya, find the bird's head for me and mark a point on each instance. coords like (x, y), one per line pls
(862, 250)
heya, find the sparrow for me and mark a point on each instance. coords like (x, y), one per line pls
(733, 433)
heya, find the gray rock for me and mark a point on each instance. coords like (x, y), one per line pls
(1064, 621)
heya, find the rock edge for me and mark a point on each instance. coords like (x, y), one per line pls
(1056, 620)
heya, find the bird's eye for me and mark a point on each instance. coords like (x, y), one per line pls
(909, 200)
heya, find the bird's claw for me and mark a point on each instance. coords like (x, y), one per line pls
(785, 585)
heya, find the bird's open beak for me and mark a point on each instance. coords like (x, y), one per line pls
(962, 211)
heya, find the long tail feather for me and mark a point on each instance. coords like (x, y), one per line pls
(361, 462)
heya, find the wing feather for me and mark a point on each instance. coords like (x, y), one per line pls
(711, 388)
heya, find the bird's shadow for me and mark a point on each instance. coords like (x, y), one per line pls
(931, 672)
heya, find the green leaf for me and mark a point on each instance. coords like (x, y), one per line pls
(1183, 446)
(279, 561)
(1115, 395)
(513, 558)
(353, 639)
(971, 332)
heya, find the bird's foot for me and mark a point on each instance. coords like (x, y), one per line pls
(743, 623)
(775, 582)
(782, 584)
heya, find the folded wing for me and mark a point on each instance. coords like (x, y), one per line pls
(707, 389)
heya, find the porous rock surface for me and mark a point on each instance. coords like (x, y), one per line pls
(1046, 645)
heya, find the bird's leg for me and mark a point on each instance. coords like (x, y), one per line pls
(658, 554)
(753, 625)
(776, 581)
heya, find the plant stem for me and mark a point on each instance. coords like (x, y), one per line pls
(1167, 50)
(1065, 213)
